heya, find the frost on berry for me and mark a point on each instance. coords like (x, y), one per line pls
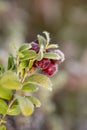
(43, 64)
(51, 69)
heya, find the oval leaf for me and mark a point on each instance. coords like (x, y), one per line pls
(24, 47)
(5, 93)
(10, 80)
(39, 79)
(3, 107)
(23, 65)
(47, 37)
(1, 68)
(14, 110)
(51, 46)
(11, 64)
(40, 54)
(41, 40)
(29, 87)
(31, 62)
(26, 106)
(2, 127)
(28, 54)
(51, 55)
(34, 100)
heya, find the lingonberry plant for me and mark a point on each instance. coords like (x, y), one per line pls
(20, 79)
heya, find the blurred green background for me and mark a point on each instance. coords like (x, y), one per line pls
(65, 108)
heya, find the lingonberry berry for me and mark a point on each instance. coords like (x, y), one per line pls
(42, 64)
(51, 69)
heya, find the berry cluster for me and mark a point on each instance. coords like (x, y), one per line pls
(46, 65)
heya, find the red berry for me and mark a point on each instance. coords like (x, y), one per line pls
(43, 64)
(51, 69)
(53, 61)
(35, 46)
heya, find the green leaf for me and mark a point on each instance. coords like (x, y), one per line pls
(47, 37)
(51, 46)
(14, 110)
(10, 80)
(31, 62)
(24, 47)
(3, 107)
(34, 100)
(42, 40)
(26, 106)
(39, 79)
(11, 64)
(28, 54)
(40, 54)
(19, 54)
(23, 65)
(1, 68)
(29, 87)
(51, 55)
(2, 127)
(5, 93)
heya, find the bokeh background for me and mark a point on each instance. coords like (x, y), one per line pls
(65, 108)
